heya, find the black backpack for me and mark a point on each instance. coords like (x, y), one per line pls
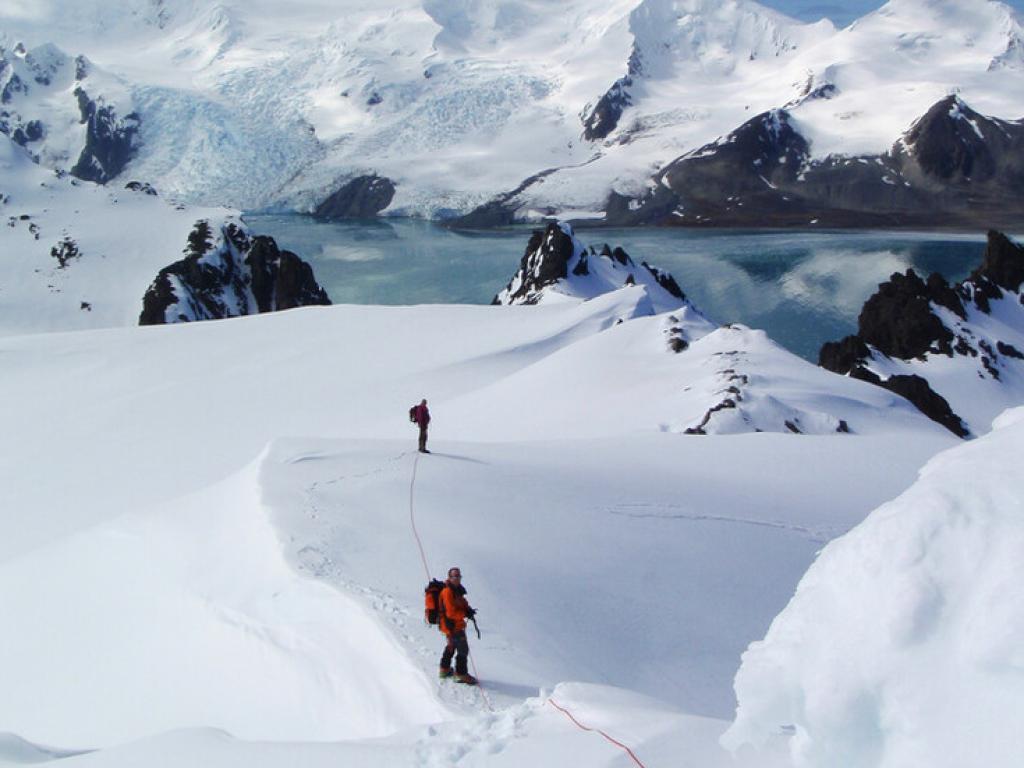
(412, 416)
(431, 595)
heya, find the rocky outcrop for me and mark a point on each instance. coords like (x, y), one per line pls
(545, 262)
(44, 87)
(361, 198)
(953, 167)
(502, 211)
(228, 273)
(141, 186)
(110, 141)
(604, 117)
(910, 322)
(556, 261)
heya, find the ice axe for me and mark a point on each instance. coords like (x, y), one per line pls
(473, 619)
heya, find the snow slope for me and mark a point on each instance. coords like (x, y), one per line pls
(112, 243)
(902, 643)
(253, 104)
(144, 550)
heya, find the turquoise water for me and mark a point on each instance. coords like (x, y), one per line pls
(803, 288)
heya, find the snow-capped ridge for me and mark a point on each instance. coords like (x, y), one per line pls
(952, 166)
(558, 265)
(249, 105)
(226, 273)
(70, 115)
(713, 38)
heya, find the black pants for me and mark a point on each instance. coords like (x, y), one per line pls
(458, 646)
(423, 438)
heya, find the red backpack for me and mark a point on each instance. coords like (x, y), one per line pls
(431, 595)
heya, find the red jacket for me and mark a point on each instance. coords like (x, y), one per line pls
(452, 609)
(422, 415)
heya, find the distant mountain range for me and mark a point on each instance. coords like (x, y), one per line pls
(687, 112)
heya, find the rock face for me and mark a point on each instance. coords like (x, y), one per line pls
(910, 324)
(953, 167)
(361, 198)
(604, 117)
(110, 141)
(229, 273)
(43, 90)
(500, 211)
(556, 262)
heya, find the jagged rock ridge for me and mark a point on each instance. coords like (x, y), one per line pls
(229, 273)
(911, 323)
(556, 261)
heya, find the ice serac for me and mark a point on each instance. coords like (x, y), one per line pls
(954, 351)
(903, 637)
(557, 264)
(228, 273)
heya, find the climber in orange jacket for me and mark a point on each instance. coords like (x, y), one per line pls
(453, 610)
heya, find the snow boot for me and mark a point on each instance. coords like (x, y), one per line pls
(465, 678)
(444, 673)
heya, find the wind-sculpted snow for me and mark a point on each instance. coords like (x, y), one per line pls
(188, 614)
(902, 644)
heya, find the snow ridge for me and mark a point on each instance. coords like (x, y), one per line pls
(902, 637)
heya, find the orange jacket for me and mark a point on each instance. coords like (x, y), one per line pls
(452, 609)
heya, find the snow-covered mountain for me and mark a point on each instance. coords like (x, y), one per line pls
(953, 166)
(250, 104)
(955, 351)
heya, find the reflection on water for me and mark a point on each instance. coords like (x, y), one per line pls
(803, 288)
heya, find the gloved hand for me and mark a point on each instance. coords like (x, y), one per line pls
(470, 613)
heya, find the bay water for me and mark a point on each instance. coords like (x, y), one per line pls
(803, 287)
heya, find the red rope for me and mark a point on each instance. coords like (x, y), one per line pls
(581, 726)
(412, 517)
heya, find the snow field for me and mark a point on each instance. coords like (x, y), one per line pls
(188, 616)
(122, 238)
(281, 601)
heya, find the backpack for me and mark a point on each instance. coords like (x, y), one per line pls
(412, 414)
(431, 594)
